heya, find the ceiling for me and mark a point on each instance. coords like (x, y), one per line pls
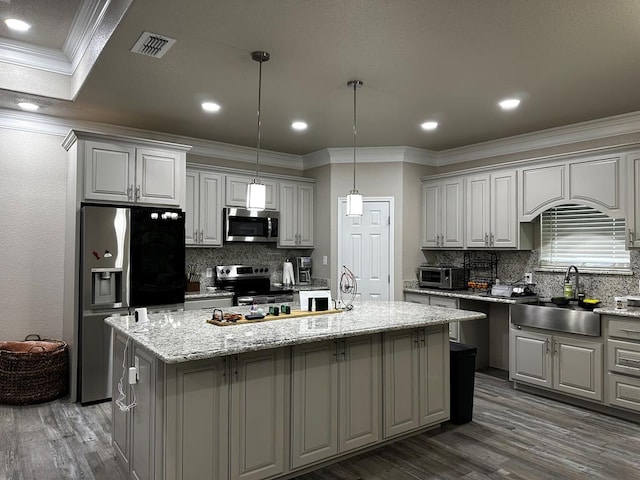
(450, 61)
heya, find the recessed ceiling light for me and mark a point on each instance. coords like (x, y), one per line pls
(299, 125)
(31, 107)
(509, 103)
(210, 107)
(17, 25)
(429, 125)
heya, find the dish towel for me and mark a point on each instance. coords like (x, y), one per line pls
(287, 274)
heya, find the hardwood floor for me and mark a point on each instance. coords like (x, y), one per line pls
(512, 435)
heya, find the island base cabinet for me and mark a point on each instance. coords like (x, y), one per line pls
(416, 379)
(197, 429)
(336, 398)
(134, 438)
(227, 417)
(257, 433)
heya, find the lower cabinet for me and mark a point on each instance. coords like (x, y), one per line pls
(265, 414)
(336, 399)
(416, 373)
(565, 363)
(133, 426)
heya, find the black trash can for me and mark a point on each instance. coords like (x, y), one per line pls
(462, 374)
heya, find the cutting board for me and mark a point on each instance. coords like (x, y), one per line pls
(293, 314)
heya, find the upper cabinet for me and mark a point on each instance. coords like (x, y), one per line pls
(443, 213)
(203, 208)
(296, 215)
(491, 214)
(127, 170)
(122, 173)
(633, 199)
(236, 191)
(592, 181)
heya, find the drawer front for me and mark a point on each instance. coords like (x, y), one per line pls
(628, 329)
(624, 392)
(623, 357)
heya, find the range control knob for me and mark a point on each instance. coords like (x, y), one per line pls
(227, 271)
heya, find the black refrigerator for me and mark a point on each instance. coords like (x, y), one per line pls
(131, 257)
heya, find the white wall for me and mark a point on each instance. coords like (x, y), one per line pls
(33, 169)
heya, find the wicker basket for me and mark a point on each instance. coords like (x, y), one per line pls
(33, 371)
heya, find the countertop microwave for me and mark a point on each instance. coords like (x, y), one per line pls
(242, 225)
(446, 278)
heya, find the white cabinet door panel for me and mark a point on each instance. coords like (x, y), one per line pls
(360, 394)
(578, 367)
(158, 177)
(531, 358)
(504, 215)
(542, 187)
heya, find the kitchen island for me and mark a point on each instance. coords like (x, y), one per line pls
(275, 398)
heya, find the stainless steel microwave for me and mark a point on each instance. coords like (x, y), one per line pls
(242, 225)
(447, 278)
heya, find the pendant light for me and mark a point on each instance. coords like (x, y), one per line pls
(256, 190)
(354, 199)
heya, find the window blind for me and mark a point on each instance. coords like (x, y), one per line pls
(582, 236)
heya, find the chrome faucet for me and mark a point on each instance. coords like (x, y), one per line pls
(576, 288)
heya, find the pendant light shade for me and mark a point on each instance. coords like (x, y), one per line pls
(354, 198)
(256, 190)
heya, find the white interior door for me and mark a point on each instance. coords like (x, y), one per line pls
(365, 248)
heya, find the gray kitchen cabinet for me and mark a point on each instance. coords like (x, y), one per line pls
(416, 373)
(564, 363)
(236, 191)
(336, 398)
(491, 213)
(208, 302)
(443, 213)
(594, 181)
(120, 420)
(230, 421)
(633, 199)
(197, 427)
(203, 208)
(446, 302)
(296, 215)
(623, 363)
(134, 428)
(135, 174)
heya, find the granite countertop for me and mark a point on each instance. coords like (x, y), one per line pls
(471, 295)
(624, 312)
(207, 294)
(183, 336)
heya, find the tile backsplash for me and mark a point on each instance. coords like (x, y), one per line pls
(512, 266)
(199, 259)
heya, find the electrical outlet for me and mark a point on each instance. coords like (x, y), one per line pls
(325, 260)
(209, 272)
(528, 278)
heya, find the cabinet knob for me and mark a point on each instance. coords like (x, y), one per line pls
(130, 193)
(137, 192)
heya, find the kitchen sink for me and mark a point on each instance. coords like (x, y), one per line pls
(570, 318)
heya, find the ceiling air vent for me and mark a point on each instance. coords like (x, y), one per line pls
(152, 45)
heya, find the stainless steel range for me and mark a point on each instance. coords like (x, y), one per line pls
(251, 284)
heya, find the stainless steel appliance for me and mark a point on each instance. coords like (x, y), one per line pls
(251, 284)
(303, 270)
(242, 225)
(130, 257)
(444, 277)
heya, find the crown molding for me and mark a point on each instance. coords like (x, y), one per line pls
(552, 137)
(592, 130)
(38, 123)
